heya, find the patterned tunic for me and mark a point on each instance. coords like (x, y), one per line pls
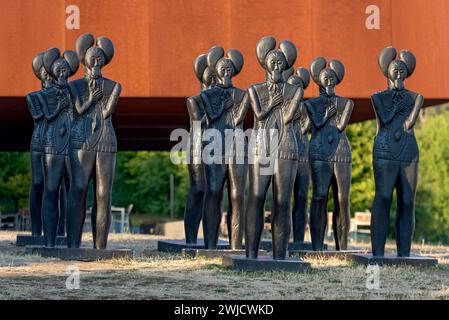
(287, 147)
(37, 114)
(90, 130)
(327, 142)
(393, 141)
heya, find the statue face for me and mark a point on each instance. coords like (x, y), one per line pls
(60, 70)
(397, 72)
(209, 79)
(225, 72)
(328, 81)
(94, 61)
(276, 64)
(46, 79)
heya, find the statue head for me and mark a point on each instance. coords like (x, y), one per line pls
(299, 78)
(204, 74)
(225, 67)
(60, 68)
(94, 55)
(396, 70)
(327, 75)
(275, 61)
(40, 72)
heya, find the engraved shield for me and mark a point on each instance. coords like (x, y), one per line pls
(397, 139)
(61, 133)
(93, 126)
(330, 138)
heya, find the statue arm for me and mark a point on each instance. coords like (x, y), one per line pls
(379, 110)
(344, 119)
(35, 111)
(294, 104)
(313, 118)
(411, 120)
(206, 103)
(109, 108)
(242, 110)
(255, 105)
(79, 107)
(50, 116)
(305, 120)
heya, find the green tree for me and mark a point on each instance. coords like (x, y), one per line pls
(143, 178)
(15, 180)
(432, 200)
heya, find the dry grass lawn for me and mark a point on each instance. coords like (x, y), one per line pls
(171, 276)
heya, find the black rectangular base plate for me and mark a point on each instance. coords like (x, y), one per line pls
(265, 263)
(268, 245)
(81, 254)
(29, 240)
(176, 246)
(393, 260)
(218, 253)
(325, 254)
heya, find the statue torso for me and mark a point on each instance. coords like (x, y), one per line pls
(328, 143)
(287, 146)
(302, 139)
(90, 130)
(393, 141)
(37, 136)
(56, 133)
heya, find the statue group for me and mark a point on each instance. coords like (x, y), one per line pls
(73, 142)
(282, 124)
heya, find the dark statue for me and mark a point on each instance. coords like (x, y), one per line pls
(194, 205)
(301, 123)
(58, 112)
(225, 108)
(274, 103)
(395, 152)
(93, 144)
(37, 174)
(329, 154)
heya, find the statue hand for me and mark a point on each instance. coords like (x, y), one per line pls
(95, 95)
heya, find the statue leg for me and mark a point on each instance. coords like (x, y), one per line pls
(63, 194)
(255, 205)
(192, 214)
(104, 178)
(53, 171)
(385, 176)
(300, 196)
(237, 181)
(36, 193)
(405, 216)
(215, 179)
(283, 182)
(322, 172)
(229, 213)
(341, 220)
(81, 168)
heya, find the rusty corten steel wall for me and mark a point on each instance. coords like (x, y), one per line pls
(157, 40)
